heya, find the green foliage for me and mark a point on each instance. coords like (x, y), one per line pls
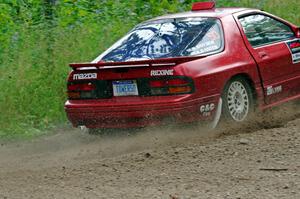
(39, 38)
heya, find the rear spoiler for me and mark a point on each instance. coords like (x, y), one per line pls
(130, 64)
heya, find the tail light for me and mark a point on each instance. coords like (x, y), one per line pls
(81, 90)
(103, 89)
(171, 86)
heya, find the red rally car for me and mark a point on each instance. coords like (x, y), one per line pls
(194, 66)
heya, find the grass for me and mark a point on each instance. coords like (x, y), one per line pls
(33, 77)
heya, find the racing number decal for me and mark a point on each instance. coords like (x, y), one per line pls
(294, 47)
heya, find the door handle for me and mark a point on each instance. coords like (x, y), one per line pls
(262, 54)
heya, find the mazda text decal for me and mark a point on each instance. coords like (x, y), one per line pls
(294, 47)
(85, 76)
(162, 72)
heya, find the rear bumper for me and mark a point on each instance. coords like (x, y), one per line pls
(113, 114)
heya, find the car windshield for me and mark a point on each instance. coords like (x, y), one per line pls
(166, 39)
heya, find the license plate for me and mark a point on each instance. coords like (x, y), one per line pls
(125, 88)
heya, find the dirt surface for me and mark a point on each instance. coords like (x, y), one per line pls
(260, 160)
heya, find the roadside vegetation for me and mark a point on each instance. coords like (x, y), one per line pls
(38, 38)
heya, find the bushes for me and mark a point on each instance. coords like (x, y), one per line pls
(36, 48)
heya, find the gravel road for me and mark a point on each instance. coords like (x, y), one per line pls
(260, 160)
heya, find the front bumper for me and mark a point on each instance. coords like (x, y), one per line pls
(128, 113)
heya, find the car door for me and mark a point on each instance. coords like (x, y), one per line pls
(269, 41)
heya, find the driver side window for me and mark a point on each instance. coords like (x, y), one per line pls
(262, 30)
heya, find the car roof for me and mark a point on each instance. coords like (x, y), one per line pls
(216, 13)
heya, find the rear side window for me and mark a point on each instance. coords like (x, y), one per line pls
(261, 30)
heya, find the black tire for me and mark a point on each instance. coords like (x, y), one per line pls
(238, 101)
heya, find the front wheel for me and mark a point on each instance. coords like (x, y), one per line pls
(238, 100)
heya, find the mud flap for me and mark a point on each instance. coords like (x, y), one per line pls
(217, 117)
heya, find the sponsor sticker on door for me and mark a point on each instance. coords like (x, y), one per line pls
(274, 90)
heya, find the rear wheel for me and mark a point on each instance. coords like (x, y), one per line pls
(238, 100)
